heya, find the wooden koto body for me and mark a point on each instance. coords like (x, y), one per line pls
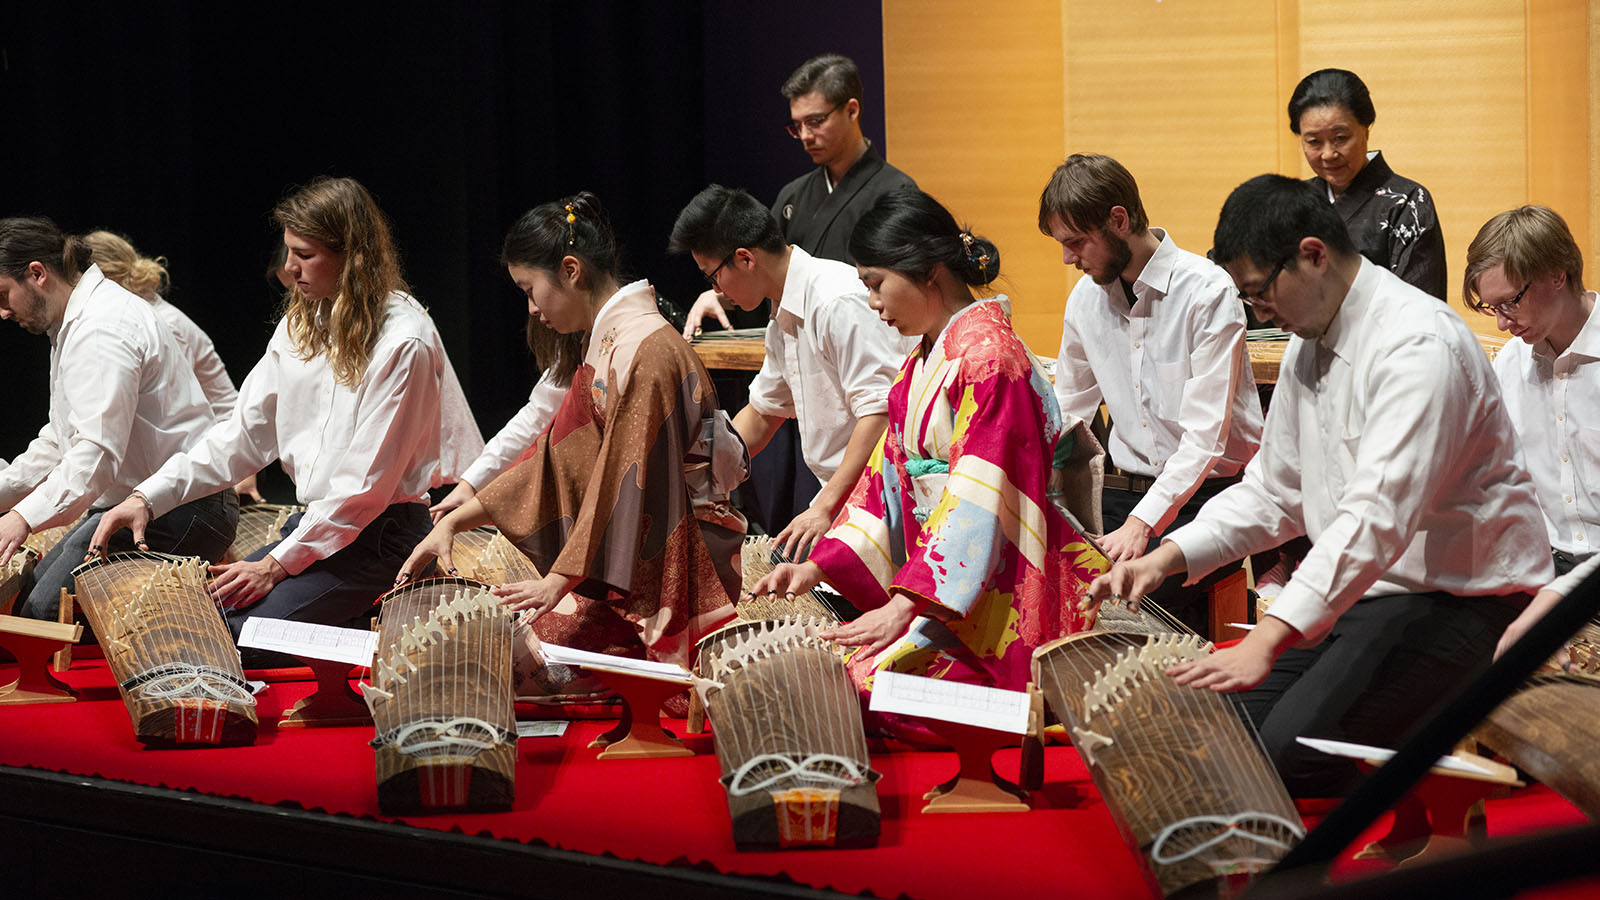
(441, 700)
(259, 525)
(484, 554)
(789, 737)
(1192, 792)
(1550, 730)
(168, 648)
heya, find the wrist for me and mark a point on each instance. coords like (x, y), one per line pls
(149, 508)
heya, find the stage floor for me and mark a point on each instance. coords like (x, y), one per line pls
(581, 821)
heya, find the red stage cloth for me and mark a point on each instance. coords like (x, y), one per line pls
(660, 811)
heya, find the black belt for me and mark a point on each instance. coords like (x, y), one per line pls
(1138, 484)
(1570, 560)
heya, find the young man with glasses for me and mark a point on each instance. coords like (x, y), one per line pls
(1155, 332)
(1525, 269)
(829, 360)
(1388, 445)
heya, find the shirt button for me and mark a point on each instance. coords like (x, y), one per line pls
(1561, 417)
(1568, 498)
(1563, 457)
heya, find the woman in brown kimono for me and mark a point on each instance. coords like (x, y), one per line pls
(622, 501)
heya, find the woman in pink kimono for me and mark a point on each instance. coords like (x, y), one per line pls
(948, 541)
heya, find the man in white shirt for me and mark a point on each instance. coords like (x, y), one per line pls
(1525, 269)
(1388, 445)
(829, 360)
(1157, 333)
(123, 399)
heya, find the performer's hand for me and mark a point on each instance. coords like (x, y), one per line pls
(457, 496)
(788, 579)
(1242, 666)
(437, 545)
(1543, 602)
(239, 585)
(878, 628)
(1127, 542)
(249, 491)
(536, 597)
(1129, 582)
(13, 531)
(131, 513)
(799, 536)
(709, 302)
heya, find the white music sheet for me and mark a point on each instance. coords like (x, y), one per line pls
(310, 641)
(950, 701)
(568, 656)
(1382, 754)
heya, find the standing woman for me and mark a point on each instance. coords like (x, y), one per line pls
(1390, 218)
(622, 501)
(948, 541)
(348, 398)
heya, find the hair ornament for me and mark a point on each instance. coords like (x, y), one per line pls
(966, 239)
(572, 221)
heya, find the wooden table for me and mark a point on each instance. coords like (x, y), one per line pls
(1265, 356)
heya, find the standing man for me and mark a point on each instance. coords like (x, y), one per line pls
(1389, 446)
(1158, 334)
(829, 360)
(123, 398)
(815, 212)
(1524, 268)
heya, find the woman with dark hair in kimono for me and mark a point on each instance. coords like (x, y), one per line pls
(948, 541)
(622, 501)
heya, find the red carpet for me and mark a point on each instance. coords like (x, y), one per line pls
(666, 812)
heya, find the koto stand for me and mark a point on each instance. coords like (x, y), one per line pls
(334, 702)
(33, 643)
(639, 734)
(976, 787)
(1436, 818)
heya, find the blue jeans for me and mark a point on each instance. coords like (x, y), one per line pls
(202, 528)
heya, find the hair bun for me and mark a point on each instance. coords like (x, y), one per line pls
(981, 263)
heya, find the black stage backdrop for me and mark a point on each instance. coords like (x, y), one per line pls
(180, 125)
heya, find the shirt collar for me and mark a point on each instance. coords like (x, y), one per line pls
(90, 280)
(622, 296)
(796, 284)
(1586, 344)
(1157, 273)
(1346, 322)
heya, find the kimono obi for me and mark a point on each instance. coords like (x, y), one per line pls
(928, 477)
(715, 463)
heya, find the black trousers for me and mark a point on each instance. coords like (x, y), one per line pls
(1188, 604)
(1389, 663)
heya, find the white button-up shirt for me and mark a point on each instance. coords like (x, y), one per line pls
(1554, 402)
(518, 434)
(202, 356)
(1388, 444)
(830, 359)
(352, 451)
(1173, 371)
(123, 399)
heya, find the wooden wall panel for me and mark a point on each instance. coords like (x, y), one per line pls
(1489, 103)
(973, 106)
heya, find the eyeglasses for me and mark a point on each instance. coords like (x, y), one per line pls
(1258, 293)
(711, 276)
(1501, 309)
(810, 122)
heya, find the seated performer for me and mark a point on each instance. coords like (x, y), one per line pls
(622, 501)
(1524, 268)
(148, 277)
(948, 542)
(123, 398)
(1158, 334)
(1388, 445)
(829, 361)
(348, 398)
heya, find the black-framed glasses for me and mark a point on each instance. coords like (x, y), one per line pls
(1502, 309)
(711, 276)
(810, 122)
(1251, 298)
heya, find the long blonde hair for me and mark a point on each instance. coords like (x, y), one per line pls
(339, 214)
(123, 264)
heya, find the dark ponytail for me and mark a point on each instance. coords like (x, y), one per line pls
(910, 233)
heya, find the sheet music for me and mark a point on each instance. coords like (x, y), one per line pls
(1382, 754)
(950, 701)
(541, 728)
(601, 662)
(309, 641)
